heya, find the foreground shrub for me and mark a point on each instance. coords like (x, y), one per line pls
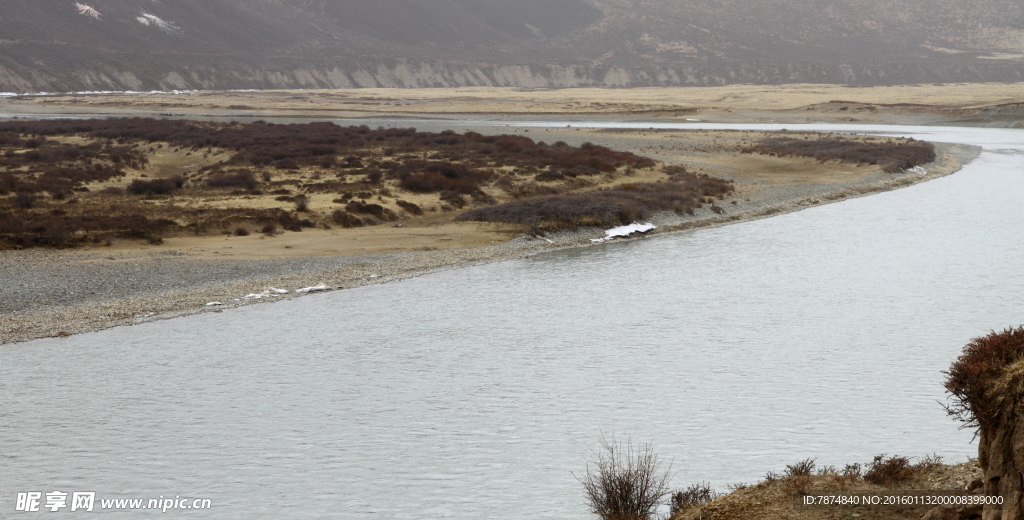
(693, 496)
(970, 378)
(624, 482)
(889, 471)
(800, 469)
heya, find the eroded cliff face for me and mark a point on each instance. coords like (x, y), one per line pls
(52, 46)
(987, 385)
(101, 76)
(1001, 447)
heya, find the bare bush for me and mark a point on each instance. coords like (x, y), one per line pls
(693, 496)
(889, 471)
(624, 482)
(801, 469)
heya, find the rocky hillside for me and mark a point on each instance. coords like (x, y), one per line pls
(63, 45)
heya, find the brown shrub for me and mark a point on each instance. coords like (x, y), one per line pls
(409, 207)
(370, 209)
(971, 375)
(803, 468)
(24, 200)
(889, 471)
(156, 186)
(693, 496)
(243, 179)
(346, 219)
(453, 197)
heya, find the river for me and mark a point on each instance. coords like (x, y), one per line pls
(477, 393)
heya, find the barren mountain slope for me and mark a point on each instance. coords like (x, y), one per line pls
(60, 45)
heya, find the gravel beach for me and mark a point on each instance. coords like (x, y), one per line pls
(47, 293)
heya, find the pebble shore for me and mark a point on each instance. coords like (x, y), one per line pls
(46, 293)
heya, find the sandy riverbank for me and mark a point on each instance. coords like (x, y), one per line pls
(965, 104)
(58, 293)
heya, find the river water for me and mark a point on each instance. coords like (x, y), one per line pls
(477, 393)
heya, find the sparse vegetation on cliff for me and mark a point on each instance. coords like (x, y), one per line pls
(971, 377)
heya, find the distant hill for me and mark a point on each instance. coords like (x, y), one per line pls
(54, 45)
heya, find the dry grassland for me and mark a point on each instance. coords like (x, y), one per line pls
(735, 103)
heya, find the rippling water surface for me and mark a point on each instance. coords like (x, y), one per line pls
(475, 393)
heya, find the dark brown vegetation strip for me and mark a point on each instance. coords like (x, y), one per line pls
(115, 216)
(621, 204)
(892, 155)
(327, 145)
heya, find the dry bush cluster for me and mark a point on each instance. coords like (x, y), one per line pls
(113, 216)
(38, 165)
(327, 145)
(892, 155)
(970, 378)
(295, 161)
(694, 496)
(621, 204)
(774, 496)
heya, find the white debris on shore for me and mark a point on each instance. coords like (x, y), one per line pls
(624, 231)
(321, 287)
(213, 303)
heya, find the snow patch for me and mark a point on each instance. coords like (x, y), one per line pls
(165, 26)
(624, 231)
(87, 10)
